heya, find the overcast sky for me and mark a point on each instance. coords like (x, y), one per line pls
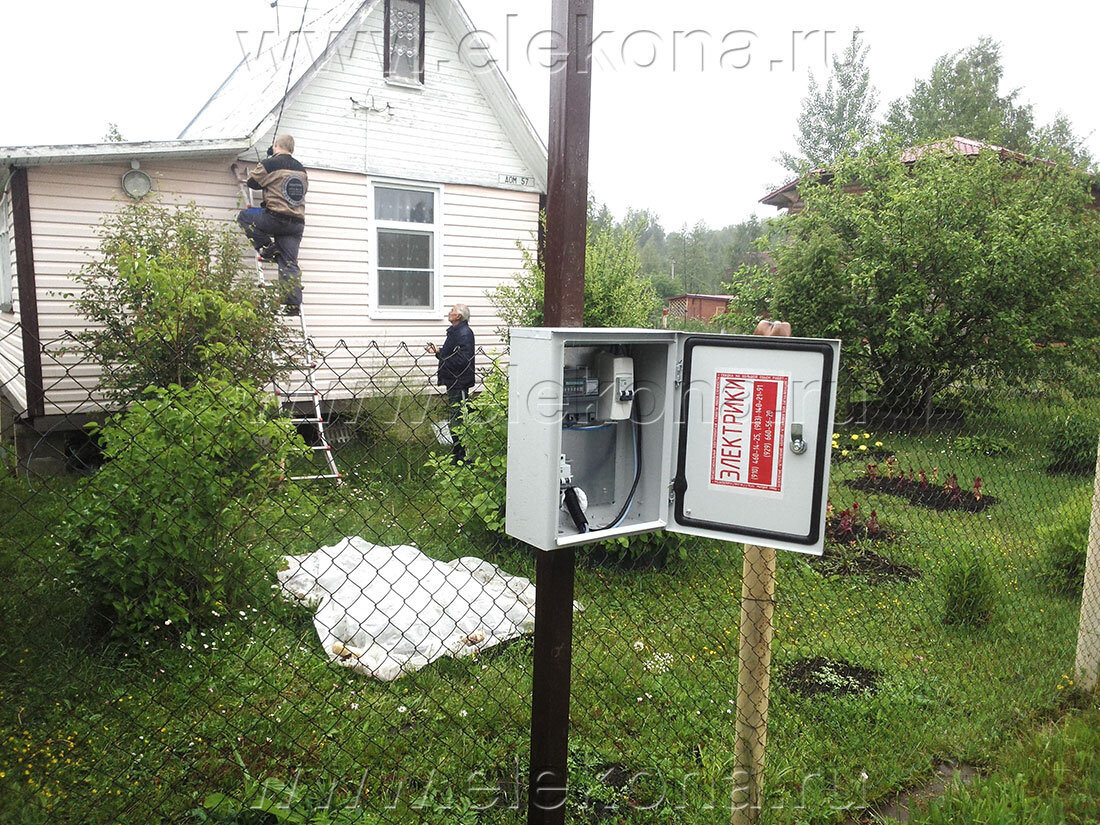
(687, 125)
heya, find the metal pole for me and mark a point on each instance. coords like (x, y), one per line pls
(563, 305)
(753, 683)
(1088, 632)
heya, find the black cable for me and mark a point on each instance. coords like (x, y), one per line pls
(637, 474)
(290, 72)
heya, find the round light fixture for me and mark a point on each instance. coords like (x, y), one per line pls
(136, 183)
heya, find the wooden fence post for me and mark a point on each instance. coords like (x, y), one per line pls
(753, 683)
(1088, 632)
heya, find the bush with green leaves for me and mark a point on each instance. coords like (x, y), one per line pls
(160, 535)
(168, 300)
(616, 293)
(1072, 442)
(970, 592)
(1063, 546)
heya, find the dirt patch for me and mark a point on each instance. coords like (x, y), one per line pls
(933, 496)
(820, 676)
(857, 560)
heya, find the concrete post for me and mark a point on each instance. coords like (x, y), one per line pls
(1088, 632)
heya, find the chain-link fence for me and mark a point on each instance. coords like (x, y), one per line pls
(190, 637)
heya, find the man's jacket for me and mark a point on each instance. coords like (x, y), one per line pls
(284, 182)
(456, 358)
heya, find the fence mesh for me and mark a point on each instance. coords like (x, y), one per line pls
(160, 660)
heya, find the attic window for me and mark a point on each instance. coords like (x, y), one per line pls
(404, 61)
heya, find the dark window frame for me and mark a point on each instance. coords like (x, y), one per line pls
(386, 46)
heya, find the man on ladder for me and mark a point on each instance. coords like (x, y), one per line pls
(275, 228)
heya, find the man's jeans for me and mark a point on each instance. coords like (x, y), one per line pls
(264, 228)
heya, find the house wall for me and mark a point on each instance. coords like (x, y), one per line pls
(483, 232)
(443, 132)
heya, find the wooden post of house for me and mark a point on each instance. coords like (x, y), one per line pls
(1088, 632)
(753, 682)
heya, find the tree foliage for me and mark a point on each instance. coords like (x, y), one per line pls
(932, 269)
(962, 97)
(616, 294)
(168, 299)
(839, 118)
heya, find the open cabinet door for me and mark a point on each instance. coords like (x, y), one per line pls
(751, 457)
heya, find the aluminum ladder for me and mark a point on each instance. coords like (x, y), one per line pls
(306, 390)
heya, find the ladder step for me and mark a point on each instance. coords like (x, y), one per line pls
(307, 421)
(321, 447)
(308, 478)
(301, 394)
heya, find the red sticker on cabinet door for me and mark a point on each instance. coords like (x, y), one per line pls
(749, 422)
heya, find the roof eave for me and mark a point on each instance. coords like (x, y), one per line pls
(26, 156)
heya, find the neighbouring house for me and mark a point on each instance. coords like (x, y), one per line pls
(426, 181)
(787, 197)
(697, 307)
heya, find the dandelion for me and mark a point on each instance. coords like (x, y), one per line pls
(855, 436)
(878, 443)
(863, 446)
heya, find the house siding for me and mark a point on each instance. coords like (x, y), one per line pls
(484, 233)
(443, 132)
(68, 203)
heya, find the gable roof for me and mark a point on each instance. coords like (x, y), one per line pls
(786, 196)
(247, 103)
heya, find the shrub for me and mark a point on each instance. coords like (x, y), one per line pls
(616, 294)
(1063, 545)
(169, 301)
(970, 593)
(158, 535)
(1072, 443)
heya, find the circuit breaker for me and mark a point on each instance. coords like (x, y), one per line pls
(613, 432)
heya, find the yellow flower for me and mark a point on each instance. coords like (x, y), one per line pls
(836, 435)
(855, 437)
(878, 443)
(844, 452)
(866, 435)
(863, 446)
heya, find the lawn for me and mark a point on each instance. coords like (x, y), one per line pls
(248, 711)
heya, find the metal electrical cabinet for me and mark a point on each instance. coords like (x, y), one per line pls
(620, 431)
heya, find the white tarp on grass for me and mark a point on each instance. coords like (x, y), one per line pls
(384, 611)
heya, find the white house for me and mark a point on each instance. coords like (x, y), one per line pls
(406, 128)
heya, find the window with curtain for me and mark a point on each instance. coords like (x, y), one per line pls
(405, 41)
(406, 236)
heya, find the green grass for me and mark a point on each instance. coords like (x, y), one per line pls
(1049, 776)
(96, 735)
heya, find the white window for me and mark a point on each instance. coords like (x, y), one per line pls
(5, 256)
(406, 240)
(404, 61)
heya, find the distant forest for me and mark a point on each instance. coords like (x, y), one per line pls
(692, 260)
